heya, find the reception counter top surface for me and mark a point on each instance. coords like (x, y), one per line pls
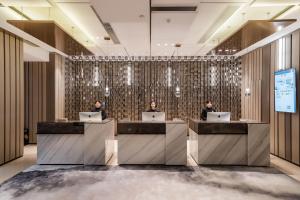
(65, 127)
(232, 127)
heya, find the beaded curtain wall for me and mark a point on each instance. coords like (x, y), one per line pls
(179, 86)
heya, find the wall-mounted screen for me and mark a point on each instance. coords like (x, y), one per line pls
(285, 90)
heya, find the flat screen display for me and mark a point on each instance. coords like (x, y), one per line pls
(285, 90)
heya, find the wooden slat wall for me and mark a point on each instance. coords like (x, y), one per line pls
(255, 70)
(44, 91)
(59, 86)
(36, 101)
(284, 127)
(11, 97)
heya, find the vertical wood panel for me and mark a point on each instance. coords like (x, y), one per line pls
(17, 119)
(30, 101)
(2, 99)
(12, 47)
(272, 116)
(288, 142)
(295, 130)
(22, 114)
(7, 98)
(276, 124)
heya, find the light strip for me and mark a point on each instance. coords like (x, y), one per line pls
(128, 75)
(169, 77)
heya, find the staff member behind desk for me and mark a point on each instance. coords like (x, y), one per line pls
(153, 107)
(98, 108)
(208, 108)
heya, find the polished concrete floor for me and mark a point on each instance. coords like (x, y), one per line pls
(147, 182)
(12, 168)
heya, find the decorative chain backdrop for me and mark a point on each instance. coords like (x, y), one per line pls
(180, 87)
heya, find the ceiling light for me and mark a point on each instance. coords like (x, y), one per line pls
(172, 44)
(166, 44)
(227, 50)
(97, 37)
(234, 50)
(158, 44)
(279, 28)
(220, 50)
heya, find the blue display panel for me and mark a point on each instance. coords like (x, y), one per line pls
(285, 90)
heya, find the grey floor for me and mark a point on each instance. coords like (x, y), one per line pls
(149, 182)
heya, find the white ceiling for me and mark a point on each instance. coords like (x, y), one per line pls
(197, 31)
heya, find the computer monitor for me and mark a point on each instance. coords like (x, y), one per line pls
(90, 116)
(218, 117)
(153, 116)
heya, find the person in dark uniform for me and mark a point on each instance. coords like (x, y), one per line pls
(208, 108)
(153, 107)
(98, 108)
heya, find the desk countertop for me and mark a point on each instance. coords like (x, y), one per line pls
(65, 127)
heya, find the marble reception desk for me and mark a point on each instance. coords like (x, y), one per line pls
(74, 142)
(152, 142)
(232, 143)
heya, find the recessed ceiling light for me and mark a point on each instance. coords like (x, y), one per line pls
(166, 44)
(279, 28)
(220, 50)
(173, 44)
(234, 50)
(158, 44)
(227, 50)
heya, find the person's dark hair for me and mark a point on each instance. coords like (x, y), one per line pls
(98, 101)
(208, 101)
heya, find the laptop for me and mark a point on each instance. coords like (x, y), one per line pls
(153, 116)
(218, 117)
(90, 116)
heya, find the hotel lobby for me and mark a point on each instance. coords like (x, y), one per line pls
(149, 99)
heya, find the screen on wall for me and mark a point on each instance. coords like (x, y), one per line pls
(285, 90)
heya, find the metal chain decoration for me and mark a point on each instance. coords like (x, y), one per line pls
(126, 85)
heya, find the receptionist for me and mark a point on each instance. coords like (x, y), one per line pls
(98, 108)
(208, 108)
(153, 107)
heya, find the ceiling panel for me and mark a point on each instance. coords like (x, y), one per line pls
(130, 21)
(26, 3)
(198, 32)
(86, 20)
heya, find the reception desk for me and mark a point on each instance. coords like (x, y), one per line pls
(74, 142)
(152, 142)
(232, 143)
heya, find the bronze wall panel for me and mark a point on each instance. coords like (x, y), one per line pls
(198, 80)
